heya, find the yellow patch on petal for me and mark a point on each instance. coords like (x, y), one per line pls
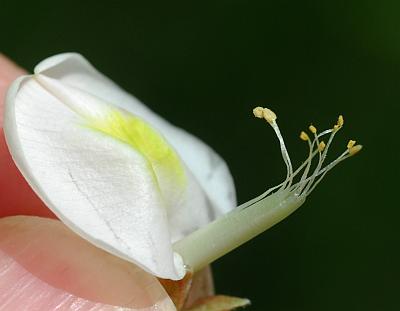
(143, 138)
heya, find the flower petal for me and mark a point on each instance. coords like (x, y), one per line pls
(188, 208)
(98, 185)
(207, 166)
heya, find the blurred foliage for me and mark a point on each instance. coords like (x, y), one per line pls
(204, 65)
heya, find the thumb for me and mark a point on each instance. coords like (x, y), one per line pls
(44, 266)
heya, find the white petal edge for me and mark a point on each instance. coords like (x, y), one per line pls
(207, 166)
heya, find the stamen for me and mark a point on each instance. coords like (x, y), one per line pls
(267, 209)
(312, 129)
(258, 112)
(321, 146)
(322, 155)
(355, 149)
(269, 115)
(307, 182)
(340, 121)
(311, 155)
(351, 144)
(304, 136)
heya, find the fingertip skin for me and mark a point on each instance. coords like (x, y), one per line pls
(30, 293)
(16, 196)
(48, 265)
(9, 71)
(28, 290)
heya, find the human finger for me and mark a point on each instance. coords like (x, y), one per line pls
(16, 196)
(44, 265)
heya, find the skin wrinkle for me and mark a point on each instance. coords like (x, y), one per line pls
(22, 290)
(145, 287)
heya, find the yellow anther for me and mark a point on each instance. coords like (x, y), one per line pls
(340, 121)
(336, 127)
(312, 129)
(304, 136)
(351, 144)
(321, 146)
(258, 112)
(269, 115)
(355, 149)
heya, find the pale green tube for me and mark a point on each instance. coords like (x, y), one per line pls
(211, 242)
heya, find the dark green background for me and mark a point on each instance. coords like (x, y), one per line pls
(204, 65)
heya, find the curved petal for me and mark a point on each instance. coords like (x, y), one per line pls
(98, 184)
(207, 166)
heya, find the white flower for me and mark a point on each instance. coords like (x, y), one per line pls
(131, 183)
(110, 168)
